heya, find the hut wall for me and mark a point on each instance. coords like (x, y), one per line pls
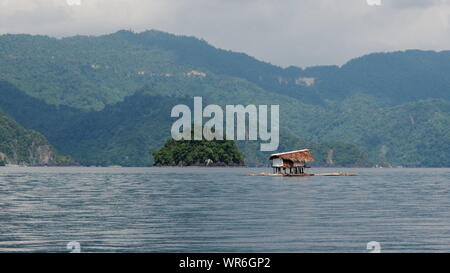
(277, 162)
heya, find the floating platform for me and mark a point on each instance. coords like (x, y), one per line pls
(302, 174)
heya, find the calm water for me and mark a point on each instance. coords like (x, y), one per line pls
(219, 210)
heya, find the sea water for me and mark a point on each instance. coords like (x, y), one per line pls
(221, 210)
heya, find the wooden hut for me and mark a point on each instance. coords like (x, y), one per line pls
(294, 161)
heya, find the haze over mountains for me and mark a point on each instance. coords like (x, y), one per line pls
(106, 100)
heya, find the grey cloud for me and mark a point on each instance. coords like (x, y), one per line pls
(414, 3)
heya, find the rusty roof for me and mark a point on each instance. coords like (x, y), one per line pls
(304, 155)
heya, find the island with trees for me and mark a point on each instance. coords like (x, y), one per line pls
(199, 153)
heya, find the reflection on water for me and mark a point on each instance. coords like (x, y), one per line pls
(219, 210)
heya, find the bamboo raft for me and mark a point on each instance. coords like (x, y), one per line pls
(293, 164)
(303, 174)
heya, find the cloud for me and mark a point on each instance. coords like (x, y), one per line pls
(409, 4)
(288, 32)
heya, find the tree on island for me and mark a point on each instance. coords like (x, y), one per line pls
(198, 153)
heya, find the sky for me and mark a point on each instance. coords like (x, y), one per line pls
(283, 32)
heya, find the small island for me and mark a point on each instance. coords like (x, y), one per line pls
(217, 153)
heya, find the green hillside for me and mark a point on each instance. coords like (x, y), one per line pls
(24, 147)
(89, 72)
(127, 132)
(106, 100)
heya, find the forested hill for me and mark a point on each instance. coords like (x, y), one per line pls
(127, 132)
(24, 147)
(394, 107)
(89, 72)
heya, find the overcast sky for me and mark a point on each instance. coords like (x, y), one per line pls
(283, 32)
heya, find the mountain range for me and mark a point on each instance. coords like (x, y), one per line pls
(106, 100)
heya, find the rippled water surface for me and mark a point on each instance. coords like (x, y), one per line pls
(220, 210)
